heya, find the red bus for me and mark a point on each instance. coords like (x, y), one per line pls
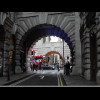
(38, 59)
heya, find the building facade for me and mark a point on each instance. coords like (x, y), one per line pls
(90, 40)
(44, 47)
(80, 30)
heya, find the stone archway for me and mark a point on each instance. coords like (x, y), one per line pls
(54, 52)
(42, 31)
(6, 45)
(68, 23)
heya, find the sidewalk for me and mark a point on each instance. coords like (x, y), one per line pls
(72, 80)
(76, 80)
(13, 78)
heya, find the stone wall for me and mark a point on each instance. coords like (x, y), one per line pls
(98, 46)
(44, 48)
(85, 40)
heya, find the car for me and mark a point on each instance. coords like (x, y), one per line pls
(46, 67)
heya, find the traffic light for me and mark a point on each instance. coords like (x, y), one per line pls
(67, 57)
(32, 51)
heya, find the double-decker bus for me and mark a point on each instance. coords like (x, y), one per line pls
(38, 59)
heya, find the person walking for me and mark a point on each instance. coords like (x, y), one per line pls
(24, 67)
(57, 66)
(42, 65)
(36, 66)
(67, 68)
(33, 66)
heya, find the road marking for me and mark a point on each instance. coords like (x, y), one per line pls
(58, 80)
(60, 83)
(14, 84)
(42, 77)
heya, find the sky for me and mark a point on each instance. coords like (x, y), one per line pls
(54, 39)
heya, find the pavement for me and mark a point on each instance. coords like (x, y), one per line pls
(71, 80)
(14, 78)
(77, 81)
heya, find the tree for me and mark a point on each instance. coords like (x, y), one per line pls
(56, 59)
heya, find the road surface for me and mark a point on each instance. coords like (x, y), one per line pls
(42, 78)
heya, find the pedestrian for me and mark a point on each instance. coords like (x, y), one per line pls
(33, 66)
(42, 67)
(71, 68)
(64, 68)
(67, 68)
(36, 66)
(57, 66)
(24, 68)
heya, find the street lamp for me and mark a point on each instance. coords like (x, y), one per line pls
(10, 61)
(63, 51)
(10, 56)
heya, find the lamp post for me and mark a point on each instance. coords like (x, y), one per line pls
(10, 56)
(10, 61)
(63, 51)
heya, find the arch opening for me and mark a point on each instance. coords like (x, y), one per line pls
(54, 52)
(40, 31)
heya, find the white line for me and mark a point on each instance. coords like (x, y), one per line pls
(42, 77)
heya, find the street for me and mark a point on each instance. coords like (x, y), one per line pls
(42, 78)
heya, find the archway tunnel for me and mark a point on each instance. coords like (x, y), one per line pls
(38, 32)
(55, 58)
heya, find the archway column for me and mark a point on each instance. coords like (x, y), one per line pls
(87, 62)
(8, 46)
(77, 58)
(18, 63)
(17, 57)
(98, 48)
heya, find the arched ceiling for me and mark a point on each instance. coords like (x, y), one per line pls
(28, 20)
(34, 25)
(45, 30)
